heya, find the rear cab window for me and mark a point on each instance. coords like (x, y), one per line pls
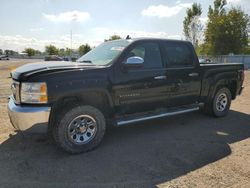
(178, 55)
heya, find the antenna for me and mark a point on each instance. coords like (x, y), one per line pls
(128, 37)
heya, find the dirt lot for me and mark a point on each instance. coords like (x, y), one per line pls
(190, 150)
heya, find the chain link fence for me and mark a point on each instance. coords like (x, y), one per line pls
(245, 59)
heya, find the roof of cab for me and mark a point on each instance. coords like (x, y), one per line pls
(156, 39)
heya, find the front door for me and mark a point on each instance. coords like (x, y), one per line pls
(139, 89)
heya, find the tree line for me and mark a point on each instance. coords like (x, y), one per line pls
(83, 49)
(226, 31)
(53, 50)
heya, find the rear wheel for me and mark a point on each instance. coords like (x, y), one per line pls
(79, 129)
(220, 104)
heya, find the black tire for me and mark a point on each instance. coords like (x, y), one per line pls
(62, 127)
(216, 108)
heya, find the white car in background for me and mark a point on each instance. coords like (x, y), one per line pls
(205, 60)
(4, 57)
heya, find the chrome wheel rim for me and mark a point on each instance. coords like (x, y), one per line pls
(221, 102)
(82, 129)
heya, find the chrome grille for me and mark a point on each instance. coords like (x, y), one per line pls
(15, 91)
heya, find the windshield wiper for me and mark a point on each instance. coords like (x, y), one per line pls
(85, 61)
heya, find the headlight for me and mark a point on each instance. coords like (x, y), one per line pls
(34, 92)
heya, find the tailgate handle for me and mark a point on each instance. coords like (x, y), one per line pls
(160, 77)
(193, 74)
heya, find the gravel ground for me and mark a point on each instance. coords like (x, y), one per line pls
(190, 150)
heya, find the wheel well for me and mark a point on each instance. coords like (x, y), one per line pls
(98, 100)
(231, 85)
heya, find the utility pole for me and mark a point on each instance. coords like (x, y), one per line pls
(71, 43)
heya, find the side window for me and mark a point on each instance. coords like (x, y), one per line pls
(138, 51)
(178, 55)
(150, 52)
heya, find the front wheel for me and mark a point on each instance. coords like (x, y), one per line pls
(220, 104)
(79, 129)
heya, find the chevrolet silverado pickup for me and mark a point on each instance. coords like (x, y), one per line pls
(118, 83)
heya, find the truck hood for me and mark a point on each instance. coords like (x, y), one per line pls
(32, 68)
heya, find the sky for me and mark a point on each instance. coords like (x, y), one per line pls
(36, 23)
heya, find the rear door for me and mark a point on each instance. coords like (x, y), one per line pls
(182, 72)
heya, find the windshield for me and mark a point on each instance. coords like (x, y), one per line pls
(104, 53)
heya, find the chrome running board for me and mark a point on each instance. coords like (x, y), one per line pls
(154, 115)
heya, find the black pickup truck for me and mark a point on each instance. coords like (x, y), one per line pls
(117, 83)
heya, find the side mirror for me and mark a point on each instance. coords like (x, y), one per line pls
(134, 61)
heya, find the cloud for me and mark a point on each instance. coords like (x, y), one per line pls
(103, 32)
(233, 1)
(162, 11)
(36, 29)
(69, 16)
(19, 42)
(160, 34)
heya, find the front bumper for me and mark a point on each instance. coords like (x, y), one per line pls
(28, 118)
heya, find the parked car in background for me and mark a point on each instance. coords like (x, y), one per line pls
(118, 83)
(53, 58)
(68, 58)
(4, 57)
(205, 60)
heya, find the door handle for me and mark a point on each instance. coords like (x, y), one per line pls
(160, 77)
(193, 74)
